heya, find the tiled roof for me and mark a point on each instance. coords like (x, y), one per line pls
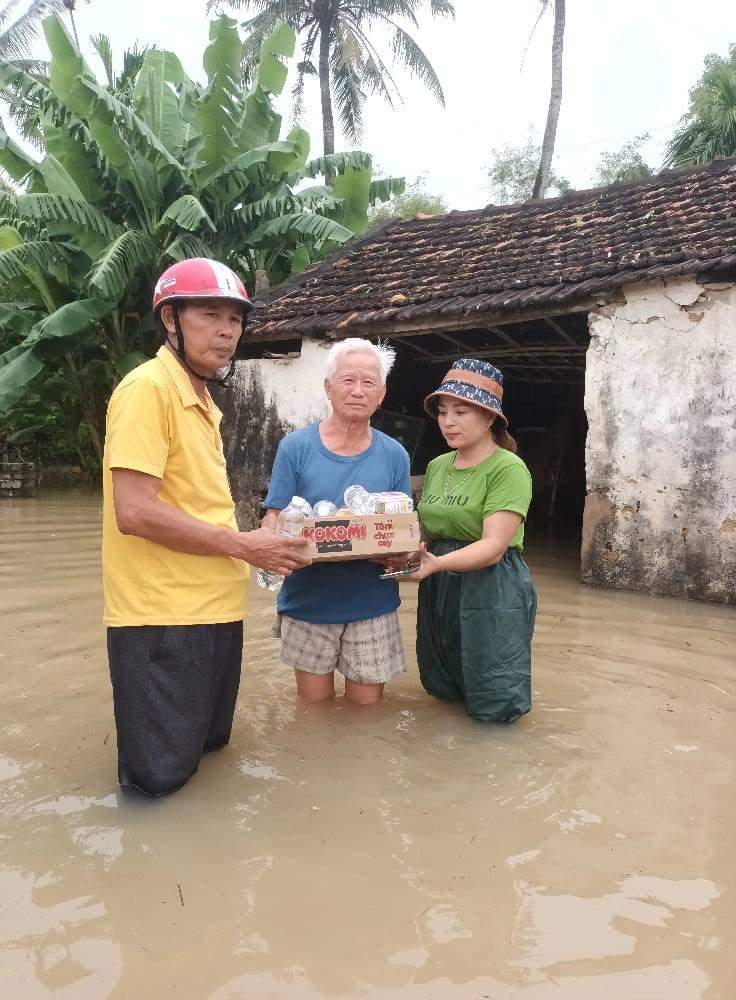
(502, 260)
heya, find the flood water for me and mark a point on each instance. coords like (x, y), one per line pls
(402, 851)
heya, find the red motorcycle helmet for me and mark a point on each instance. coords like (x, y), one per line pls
(199, 278)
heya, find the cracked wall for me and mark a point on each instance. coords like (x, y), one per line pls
(660, 396)
(266, 400)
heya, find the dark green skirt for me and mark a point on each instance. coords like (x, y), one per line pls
(474, 634)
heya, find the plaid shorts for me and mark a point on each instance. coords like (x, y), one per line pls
(367, 652)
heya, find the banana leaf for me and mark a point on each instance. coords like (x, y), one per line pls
(66, 329)
(260, 123)
(156, 101)
(77, 162)
(353, 187)
(14, 160)
(216, 111)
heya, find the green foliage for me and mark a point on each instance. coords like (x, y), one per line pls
(19, 26)
(415, 200)
(708, 130)
(627, 164)
(514, 170)
(137, 172)
(353, 66)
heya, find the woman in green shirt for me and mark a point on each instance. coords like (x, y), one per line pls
(477, 602)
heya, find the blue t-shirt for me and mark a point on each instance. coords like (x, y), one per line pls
(335, 593)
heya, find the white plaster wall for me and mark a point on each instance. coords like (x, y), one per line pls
(661, 453)
(294, 385)
(267, 399)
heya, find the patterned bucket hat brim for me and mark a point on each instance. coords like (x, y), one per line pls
(476, 382)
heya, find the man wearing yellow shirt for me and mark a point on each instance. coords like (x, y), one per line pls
(175, 566)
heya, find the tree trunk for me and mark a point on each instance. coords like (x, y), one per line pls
(328, 124)
(555, 102)
(70, 6)
(74, 27)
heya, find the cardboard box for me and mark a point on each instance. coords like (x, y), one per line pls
(356, 537)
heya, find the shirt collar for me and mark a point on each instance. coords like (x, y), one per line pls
(181, 380)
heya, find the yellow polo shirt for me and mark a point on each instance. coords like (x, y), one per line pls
(157, 424)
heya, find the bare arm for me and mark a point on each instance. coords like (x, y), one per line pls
(139, 511)
(271, 519)
(498, 530)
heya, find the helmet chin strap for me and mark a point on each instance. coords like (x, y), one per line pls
(224, 381)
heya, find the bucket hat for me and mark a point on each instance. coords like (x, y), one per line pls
(476, 382)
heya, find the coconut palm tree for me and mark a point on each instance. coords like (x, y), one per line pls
(19, 28)
(19, 24)
(555, 98)
(708, 131)
(337, 47)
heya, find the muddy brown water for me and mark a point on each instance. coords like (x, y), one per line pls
(585, 853)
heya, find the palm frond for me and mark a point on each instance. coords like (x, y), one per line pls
(133, 60)
(7, 11)
(346, 67)
(103, 47)
(367, 10)
(708, 131)
(16, 40)
(257, 30)
(297, 95)
(374, 66)
(17, 79)
(411, 55)
(442, 8)
(349, 99)
(39, 67)
(375, 78)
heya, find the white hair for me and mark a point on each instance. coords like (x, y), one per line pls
(384, 355)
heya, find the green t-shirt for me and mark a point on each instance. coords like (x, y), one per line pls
(501, 482)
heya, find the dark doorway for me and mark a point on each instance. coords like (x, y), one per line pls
(543, 361)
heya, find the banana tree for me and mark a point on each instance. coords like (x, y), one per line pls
(127, 186)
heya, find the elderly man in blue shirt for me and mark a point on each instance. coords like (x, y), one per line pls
(341, 616)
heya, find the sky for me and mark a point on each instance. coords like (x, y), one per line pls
(628, 67)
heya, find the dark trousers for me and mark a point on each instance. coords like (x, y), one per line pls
(174, 690)
(474, 636)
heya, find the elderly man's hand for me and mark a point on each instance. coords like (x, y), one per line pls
(271, 550)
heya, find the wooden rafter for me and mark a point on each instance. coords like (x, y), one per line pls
(457, 343)
(558, 329)
(505, 337)
(449, 324)
(411, 343)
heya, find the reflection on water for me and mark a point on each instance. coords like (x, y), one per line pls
(400, 851)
